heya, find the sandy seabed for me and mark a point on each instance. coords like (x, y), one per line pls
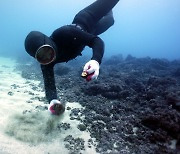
(25, 124)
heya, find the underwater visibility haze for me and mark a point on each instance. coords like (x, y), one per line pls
(133, 107)
(142, 28)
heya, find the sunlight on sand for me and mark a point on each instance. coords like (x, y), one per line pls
(25, 128)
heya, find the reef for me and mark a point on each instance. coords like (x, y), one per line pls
(133, 107)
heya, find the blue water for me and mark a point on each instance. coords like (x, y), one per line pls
(142, 27)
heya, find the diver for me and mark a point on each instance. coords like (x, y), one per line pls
(67, 42)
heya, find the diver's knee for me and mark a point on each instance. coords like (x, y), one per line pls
(110, 17)
(112, 21)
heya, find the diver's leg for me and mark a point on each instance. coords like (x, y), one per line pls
(104, 23)
(90, 16)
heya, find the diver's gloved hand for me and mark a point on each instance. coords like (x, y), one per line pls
(91, 70)
(56, 107)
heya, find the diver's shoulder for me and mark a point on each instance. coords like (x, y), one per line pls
(66, 28)
(62, 30)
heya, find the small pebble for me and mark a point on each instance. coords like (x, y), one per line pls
(10, 93)
(81, 127)
(68, 108)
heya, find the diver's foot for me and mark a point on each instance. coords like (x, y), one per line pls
(56, 107)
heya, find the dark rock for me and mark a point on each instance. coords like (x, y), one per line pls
(68, 108)
(81, 127)
(116, 59)
(74, 145)
(10, 93)
(42, 108)
(160, 64)
(61, 70)
(64, 126)
(133, 107)
(165, 121)
(130, 58)
(177, 72)
(174, 100)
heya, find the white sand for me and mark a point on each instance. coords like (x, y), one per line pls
(34, 132)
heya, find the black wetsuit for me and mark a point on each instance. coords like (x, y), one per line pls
(70, 40)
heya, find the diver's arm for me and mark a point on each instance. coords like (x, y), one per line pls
(91, 68)
(49, 81)
(94, 42)
(97, 46)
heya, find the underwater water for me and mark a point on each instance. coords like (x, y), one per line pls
(142, 28)
(133, 107)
